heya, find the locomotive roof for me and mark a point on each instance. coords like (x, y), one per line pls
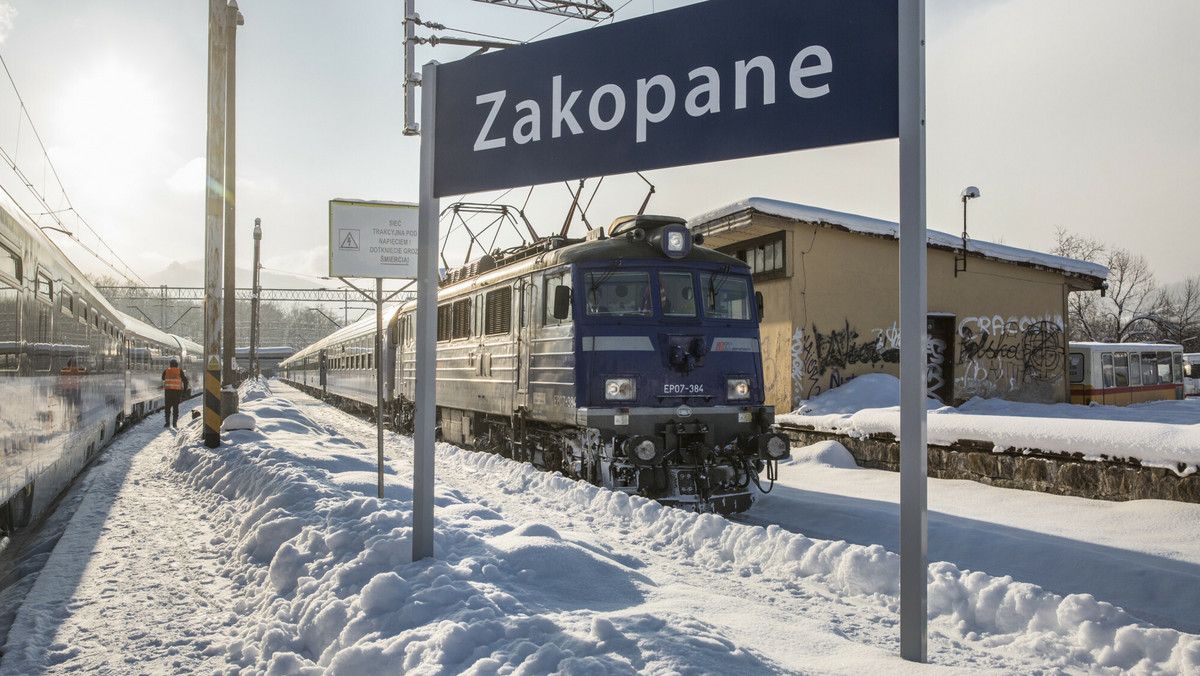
(598, 247)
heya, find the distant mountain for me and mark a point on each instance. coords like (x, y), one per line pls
(191, 274)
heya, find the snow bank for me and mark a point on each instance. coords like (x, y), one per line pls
(1157, 434)
(328, 585)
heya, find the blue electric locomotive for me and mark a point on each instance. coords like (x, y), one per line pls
(630, 359)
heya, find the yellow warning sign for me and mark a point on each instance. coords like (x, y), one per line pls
(213, 362)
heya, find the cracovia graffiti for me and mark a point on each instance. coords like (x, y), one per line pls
(1005, 355)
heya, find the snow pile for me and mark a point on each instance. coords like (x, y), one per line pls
(327, 584)
(1158, 434)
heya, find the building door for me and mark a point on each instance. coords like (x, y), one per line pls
(939, 351)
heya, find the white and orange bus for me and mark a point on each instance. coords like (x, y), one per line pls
(1125, 373)
(1191, 374)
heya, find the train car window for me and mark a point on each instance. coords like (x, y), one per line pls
(725, 296)
(1177, 361)
(498, 311)
(66, 303)
(45, 289)
(1164, 368)
(677, 294)
(10, 337)
(1106, 367)
(1076, 367)
(1149, 369)
(1135, 368)
(610, 293)
(1121, 369)
(10, 263)
(462, 319)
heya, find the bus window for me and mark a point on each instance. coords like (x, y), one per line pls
(1121, 369)
(1106, 365)
(1177, 361)
(1076, 367)
(1164, 368)
(1149, 369)
(1135, 369)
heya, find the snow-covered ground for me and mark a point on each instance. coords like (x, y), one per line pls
(272, 555)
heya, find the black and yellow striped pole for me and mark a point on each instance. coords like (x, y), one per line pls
(214, 212)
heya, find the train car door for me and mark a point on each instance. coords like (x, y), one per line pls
(527, 301)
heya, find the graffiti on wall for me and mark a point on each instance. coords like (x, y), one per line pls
(1004, 355)
(935, 360)
(820, 360)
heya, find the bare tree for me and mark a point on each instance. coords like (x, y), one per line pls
(1132, 296)
(1084, 321)
(1129, 307)
(1179, 308)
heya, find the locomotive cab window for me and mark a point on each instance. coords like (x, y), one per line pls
(725, 296)
(676, 294)
(617, 294)
(557, 294)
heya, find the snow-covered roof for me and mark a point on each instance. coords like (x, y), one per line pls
(875, 226)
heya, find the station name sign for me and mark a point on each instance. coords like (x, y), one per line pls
(372, 239)
(713, 81)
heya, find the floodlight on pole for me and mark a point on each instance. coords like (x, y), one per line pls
(969, 193)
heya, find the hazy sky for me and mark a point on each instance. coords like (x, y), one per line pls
(1080, 114)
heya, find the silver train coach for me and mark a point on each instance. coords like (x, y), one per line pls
(73, 369)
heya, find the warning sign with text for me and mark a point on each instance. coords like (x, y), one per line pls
(372, 239)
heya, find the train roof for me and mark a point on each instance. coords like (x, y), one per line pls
(629, 237)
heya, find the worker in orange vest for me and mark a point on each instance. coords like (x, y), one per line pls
(175, 381)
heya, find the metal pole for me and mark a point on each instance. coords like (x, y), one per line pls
(254, 300)
(229, 350)
(214, 210)
(411, 128)
(379, 376)
(913, 308)
(425, 368)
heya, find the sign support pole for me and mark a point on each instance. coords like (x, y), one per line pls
(914, 599)
(426, 326)
(379, 372)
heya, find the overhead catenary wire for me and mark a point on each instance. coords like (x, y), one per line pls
(40, 196)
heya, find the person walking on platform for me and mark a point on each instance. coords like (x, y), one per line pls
(175, 381)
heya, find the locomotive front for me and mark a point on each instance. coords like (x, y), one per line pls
(670, 366)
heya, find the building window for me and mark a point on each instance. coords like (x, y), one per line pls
(764, 255)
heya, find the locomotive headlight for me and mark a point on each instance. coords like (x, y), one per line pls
(620, 388)
(676, 242)
(737, 388)
(773, 447)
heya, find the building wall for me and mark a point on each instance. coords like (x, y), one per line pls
(835, 316)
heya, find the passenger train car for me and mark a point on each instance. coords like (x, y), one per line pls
(73, 369)
(1125, 373)
(630, 359)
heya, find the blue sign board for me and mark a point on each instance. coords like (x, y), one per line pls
(713, 81)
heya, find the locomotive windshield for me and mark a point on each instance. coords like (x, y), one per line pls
(725, 296)
(618, 294)
(669, 294)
